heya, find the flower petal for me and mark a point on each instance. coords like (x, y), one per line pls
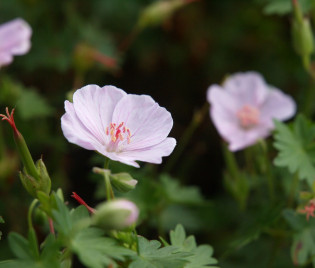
(241, 139)
(249, 87)
(74, 131)
(14, 40)
(149, 123)
(94, 107)
(152, 154)
(277, 106)
(219, 98)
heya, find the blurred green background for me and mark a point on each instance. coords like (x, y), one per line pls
(79, 42)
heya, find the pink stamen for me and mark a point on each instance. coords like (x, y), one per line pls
(309, 209)
(248, 116)
(120, 133)
(81, 201)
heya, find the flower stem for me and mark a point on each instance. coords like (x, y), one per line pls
(231, 162)
(267, 169)
(31, 231)
(294, 185)
(195, 122)
(51, 226)
(109, 189)
(2, 148)
(108, 185)
(30, 211)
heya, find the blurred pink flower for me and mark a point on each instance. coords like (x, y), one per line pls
(309, 209)
(123, 127)
(125, 205)
(243, 109)
(14, 40)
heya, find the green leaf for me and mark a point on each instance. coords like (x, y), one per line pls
(31, 104)
(61, 217)
(282, 7)
(296, 221)
(151, 255)
(201, 256)
(303, 247)
(96, 251)
(296, 148)
(26, 257)
(178, 239)
(179, 194)
(20, 246)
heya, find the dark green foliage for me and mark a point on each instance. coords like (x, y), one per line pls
(201, 256)
(296, 148)
(151, 255)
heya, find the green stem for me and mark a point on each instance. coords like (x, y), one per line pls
(184, 140)
(267, 169)
(231, 163)
(30, 211)
(31, 231)
(294, 184)
(2, 146)
(307, 103)
(106, 164)
(108, 185)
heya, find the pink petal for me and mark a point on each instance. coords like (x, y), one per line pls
(14, 40)
(223, 110)
(220, 98)
(94, 107)
(277, 106)
(248, 87)
(149, 123)
(74, 131)
(152, 154)
(240, 139)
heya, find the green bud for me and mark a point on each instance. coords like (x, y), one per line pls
(115, 215)
(306, 195)
(42, 183)
(123, 182)
(33, 177)
(158, 12)
(302, 37)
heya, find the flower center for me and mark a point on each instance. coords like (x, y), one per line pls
(248, 116)
(118, 132)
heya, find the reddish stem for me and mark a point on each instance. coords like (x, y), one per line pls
(81, 201)
(51, 226)
(10, 118)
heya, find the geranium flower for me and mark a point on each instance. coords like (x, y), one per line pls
(243, 109)
(14, 40)
(121, 126)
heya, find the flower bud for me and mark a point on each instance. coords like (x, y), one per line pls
(31, 184)
(302, 34)
(33, 177)
(158, 12)
(302, 37)
(115, 215)
(123, 182)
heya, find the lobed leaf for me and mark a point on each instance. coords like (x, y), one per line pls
(296, 148)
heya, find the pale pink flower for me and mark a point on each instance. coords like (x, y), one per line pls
(125, 205)
(121, 126)
(14, 40)
(243, 109)
(116, 214)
